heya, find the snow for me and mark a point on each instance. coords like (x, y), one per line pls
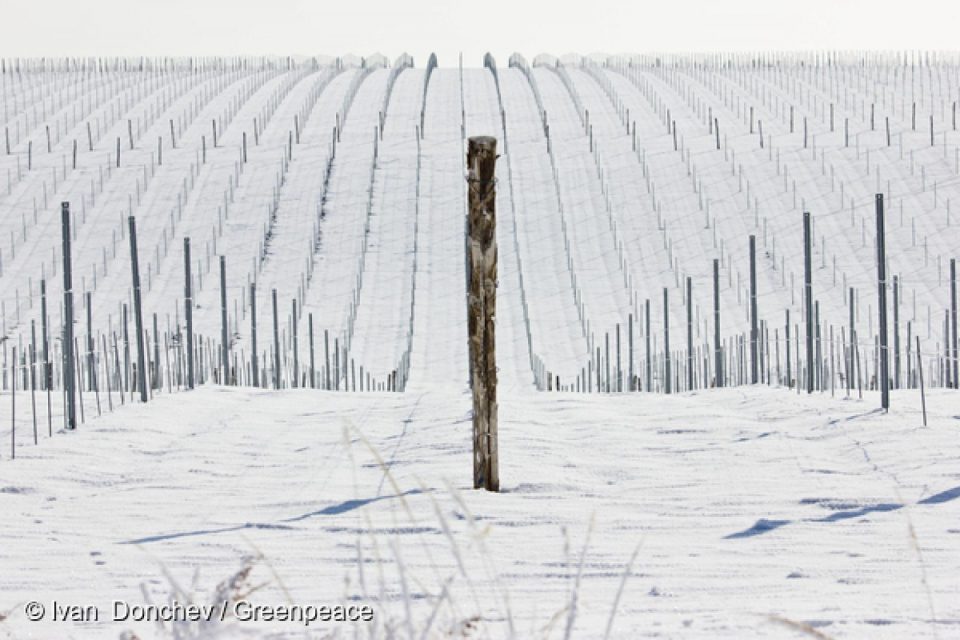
(752, 511)
(745, 504)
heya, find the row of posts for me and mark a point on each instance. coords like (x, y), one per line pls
(811, 321)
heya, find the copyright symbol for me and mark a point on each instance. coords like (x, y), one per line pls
(34, 611)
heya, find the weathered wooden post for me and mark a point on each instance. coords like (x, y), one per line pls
(882, 287)
(137, 310)
(68, 355)
(481, 300)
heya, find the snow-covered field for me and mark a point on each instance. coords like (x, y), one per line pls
(742, 506)
(338, 187)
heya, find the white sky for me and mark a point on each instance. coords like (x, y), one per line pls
(309, 27)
